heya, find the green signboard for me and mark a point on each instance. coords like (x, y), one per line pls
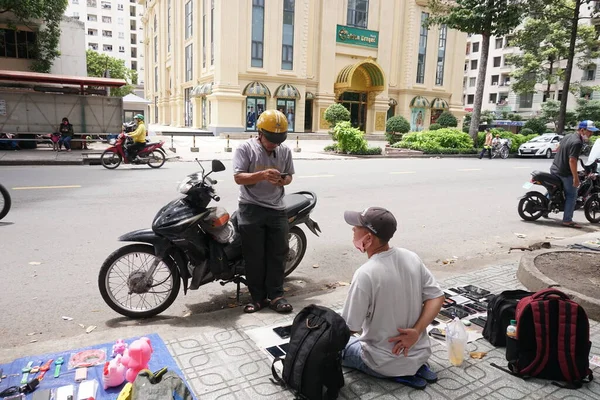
(357, 36)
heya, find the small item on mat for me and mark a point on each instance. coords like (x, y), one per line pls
(44, 368)
(59, 361)
(119, 348)
(113, 373)
(25, 372)
(478, 355)
(64, 392)
(42, 394)
(460, 299)
(438, 333)
(87, 358)
(19, 396)
(80, 374)
(595, 360)
(36, 369)
(466, 322)
(87, 390)
(283, 332)
(137, 357)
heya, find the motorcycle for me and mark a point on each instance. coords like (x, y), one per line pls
(535, 205)
(192, 244)
(152, 154)
(5, 202)
(501, 148)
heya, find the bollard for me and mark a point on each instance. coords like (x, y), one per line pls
(172, 148)
(194, 149)
(227, 148)
(297, 149)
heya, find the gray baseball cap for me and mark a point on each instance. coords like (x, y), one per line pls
(378, 220)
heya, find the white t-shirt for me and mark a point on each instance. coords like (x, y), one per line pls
(387, 293)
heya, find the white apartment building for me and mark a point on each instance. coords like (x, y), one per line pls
(499, 97)
(113, 27)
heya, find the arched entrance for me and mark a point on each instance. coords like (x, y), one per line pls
(356, 87)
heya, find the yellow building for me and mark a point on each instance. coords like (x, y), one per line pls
(216, 64)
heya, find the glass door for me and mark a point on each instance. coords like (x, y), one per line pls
(254, 107)
(288, 108)
(308, 115)
(188, 112)
(356, 103)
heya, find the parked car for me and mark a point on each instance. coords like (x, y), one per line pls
(545, 145)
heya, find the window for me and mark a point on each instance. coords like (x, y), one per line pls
(156, 48)
(439, 73)
(188, 19)
(258, 30)
(506, 61)
(470, 99)
(497, 61)
(188, 109)
(134, 52)
(358, 12)
(156, 109)
(107, 33)
(287, 47)
(106, 5)
(155, 23)
(121, 35)
(133, 38)
(422, 49)
(169, 26)
(107, 20)
(132, 11)
(91, 3)
(212, 31)
(92, 18)
(468, 51)
(189, 74)
(476, 47)
(107, 47)
(75, 15)
(93, 32)
(156, 79)
(558, 98)
(93, 46)
(132, 25)
(493, 97)
(499, 43)
(505, 79)
(474, 64)
(120, 7)
(472, 82)
(134, 65)
(495, 80)
(590, 73)
(509, 41)
(526, 100)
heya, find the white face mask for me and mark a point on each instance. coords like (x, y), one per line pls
(360, 243)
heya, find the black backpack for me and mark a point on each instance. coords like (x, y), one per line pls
(313, 361)
(501, 309)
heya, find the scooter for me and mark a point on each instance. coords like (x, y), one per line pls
(152, 154)
(190, 244)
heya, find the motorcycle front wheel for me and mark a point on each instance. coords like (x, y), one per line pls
(127, 290)
(592, 209)
(110, 160)
(297, 243)
(5, 202)
(533, 206)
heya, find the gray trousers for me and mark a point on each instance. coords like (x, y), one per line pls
(265, 245)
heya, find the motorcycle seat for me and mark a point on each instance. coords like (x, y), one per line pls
(294, 203)
(547, 177)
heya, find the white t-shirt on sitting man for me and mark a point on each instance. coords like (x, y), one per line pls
(387, 293)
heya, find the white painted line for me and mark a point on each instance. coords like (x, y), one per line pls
(469, 169)
(46, 187)
(403, 172)
(316, 176)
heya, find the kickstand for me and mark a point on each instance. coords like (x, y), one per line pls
(238, 280)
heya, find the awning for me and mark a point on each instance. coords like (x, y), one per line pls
(392, 102)
(22, 76)
(202, 90)
(309, 95)
(287, 92)
(368, 69)
(132, 98)
(419, 102)
(439, 104)
(256, 89)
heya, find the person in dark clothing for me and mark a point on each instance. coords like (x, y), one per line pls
(565, 167)
(262, 168)
(66, 134)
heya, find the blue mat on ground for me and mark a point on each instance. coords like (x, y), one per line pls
(160, 358)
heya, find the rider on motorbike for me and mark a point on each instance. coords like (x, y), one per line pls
(138, 136)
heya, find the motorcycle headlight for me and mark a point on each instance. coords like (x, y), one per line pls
(112, 141)
(185, 185)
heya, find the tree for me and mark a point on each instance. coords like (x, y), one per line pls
(395, 127)
(543, 41)
(479, 17)
(588, 109)
(550, 111)
(537, 125)
(336, 113)
(102, 65)
(447, 120)
(30, 13)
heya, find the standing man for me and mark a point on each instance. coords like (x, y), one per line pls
(565, 167)
(262, 168)
(138, 136)
(488, 144)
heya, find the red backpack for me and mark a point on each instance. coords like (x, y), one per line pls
(553, 340)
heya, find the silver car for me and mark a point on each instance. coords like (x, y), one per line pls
(545, 145)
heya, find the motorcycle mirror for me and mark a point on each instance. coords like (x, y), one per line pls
(203, 171)
(217, 166)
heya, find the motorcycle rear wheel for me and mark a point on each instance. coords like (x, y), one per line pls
(504, 152)
(297, 241)
(5, 202)
(110, 160)
(533, 206)
(592, 209)
(142, 309)
(156, 159)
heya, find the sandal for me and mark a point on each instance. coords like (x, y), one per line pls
(426, 373)
(281, 306)
(414, 381)
(253, 307)
(572, 225)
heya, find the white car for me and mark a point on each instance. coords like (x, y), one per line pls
(545, 145)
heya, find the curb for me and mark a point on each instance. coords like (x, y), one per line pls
(41, 162)
(533, 279)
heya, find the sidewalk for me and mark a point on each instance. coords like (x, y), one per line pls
(220, 360)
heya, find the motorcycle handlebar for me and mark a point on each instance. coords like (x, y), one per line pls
(215, 197)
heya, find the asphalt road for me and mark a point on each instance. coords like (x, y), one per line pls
(65, 222)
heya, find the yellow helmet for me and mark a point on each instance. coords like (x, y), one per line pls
(273, 124)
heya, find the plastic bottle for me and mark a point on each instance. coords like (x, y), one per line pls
(511, 330)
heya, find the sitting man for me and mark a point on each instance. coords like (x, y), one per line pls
(392, 299)
(138, 136)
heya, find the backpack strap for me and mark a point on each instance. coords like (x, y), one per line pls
(541, 317)
(567, 339)
(276, 379)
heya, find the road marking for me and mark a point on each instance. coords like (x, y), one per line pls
(46, 187)
(317, 176)
(403, 172)
(469, 169)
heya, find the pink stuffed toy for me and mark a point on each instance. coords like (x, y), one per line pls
(136, 357)
(114, 373)
(119, 347)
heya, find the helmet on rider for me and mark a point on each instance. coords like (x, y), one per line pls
(139, 116)
(273, 125)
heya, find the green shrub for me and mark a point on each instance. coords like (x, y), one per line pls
(336, 113)
(435, 127)
(593, 140)
(350, 140)
(432, 142)
(447, 120)
(526, 131)
(370, 151)
(331, 147)
(537, 125)
(395, 127)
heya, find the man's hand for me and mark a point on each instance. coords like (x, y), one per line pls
(272, 175)
(576, 182)
(404, 341)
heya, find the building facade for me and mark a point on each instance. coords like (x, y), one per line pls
(217, 65)
(113, 27)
